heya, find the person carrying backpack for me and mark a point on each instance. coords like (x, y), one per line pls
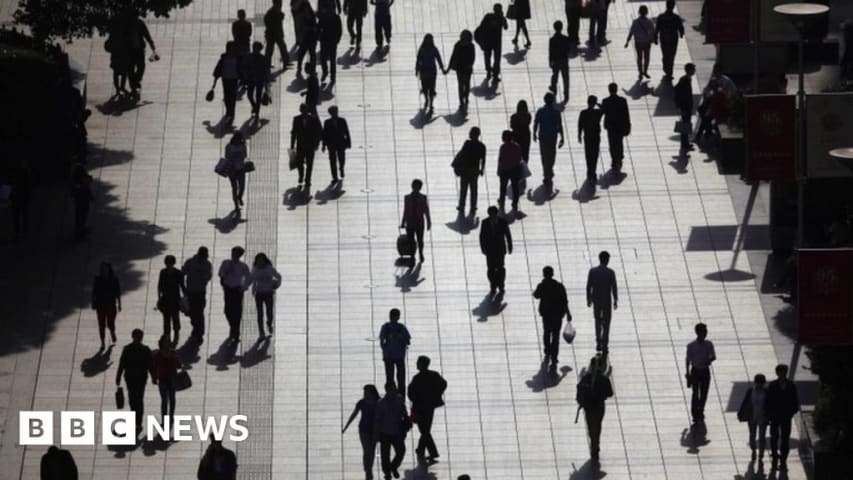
(593, 389)
(394, 339)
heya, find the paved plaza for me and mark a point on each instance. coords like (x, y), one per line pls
(157, 194)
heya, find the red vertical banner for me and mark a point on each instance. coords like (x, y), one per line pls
(825, 282)
(727, 21)
(771, 137)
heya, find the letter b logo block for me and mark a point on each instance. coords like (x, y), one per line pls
(77, 428)
(35, 428)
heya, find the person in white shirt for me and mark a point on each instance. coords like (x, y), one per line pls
(265, 281)
(643, 32)
(234, 276)
(700, 356)
(753, 410)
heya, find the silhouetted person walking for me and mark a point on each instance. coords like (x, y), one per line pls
(106, 300)
(425, 68)
(426, 392)
(510, 169)
(197, 273)
(136, 364)
(594, 388)
(331, 31)
(553, 305)
(256, 76)
(574, 9)
(469, 165)
(118, 46)
(700, 356)
(489, 36)
(598, 21)
(138, 36)
(521, 14)
(416, 216)
(462, 61)
(366, 426)
(643, 32)
(559, 48)
(228, 69)
(218, 463)
(310, 33)
(58, 464)
(312, 89)
(241, 32)
(382, 21)
(305, 138)
(236, 153)
(519, 123)
(669, 27)
(782, 404)
(617, 122)
(170, 286)
(684, 102)
(589, 134)
(234, 276)
(495, 244)
(166, 366)
(600, 288)
(390, 428)
(753, 410)
(546, 128)
(265, 281)
(336, 139)
(274, 33)
(356, 10)
(394, 339)
(81, 192)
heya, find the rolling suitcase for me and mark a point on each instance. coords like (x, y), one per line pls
(405, 245)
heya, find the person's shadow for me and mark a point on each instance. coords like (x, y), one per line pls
(679, 162)
(457, 118)
(485, 90)
(516, 56)
(545, 379)
(252, 126)
(591, 52)
(257, 353)
(158, 444)
(220, 129)
(611, 178)
(464, 225)
(489, 307)
(753, 474)
(410, 278)
(188, 353)
(229, 222)
(117, 105)
(589, 471)
(421, 472)
(97, 363)
(541, 195)
(349, 59)
(638, 90)
(224, 356)
(694, 437)
(332, 192)
(379, 55)
(422, 119)
(295, 197)
(585, 193)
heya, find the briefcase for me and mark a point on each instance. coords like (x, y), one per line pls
(294, 159)
(248, 167)
(119, 398)
(405, 245)
(221, 167)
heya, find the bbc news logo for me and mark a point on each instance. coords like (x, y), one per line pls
(119, 428)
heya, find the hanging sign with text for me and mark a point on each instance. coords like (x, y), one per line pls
(825, 282)
(771, 137)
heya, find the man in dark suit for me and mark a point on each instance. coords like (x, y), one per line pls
(305, 138)
(669, 27)
(598, 21)
(136, 364)
(589, 134)
(329, 24)
(559, 47)
(469, 165)
(782, 404)
(495, 243)
(356, 10)
(684, 102)
(490, 40)
(58, 464)
(336, 138)
(553, 304)
(617, 122)
(573, 21)
(415, 211)
(600, 288)
(274, 33)
(425, 391)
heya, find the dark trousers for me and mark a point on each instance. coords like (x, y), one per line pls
(594, 415)
(383, 29)
(561, 69)
(106, 319)
(135, 397)
(757, 435)
(197, 302)
(551, 336)
(495, 270)
(573, 24)
(328, 60)
(602, 315)
(167, 397)
(309, 49)
(229, 95)
(337, 159)
(707, 126)
(233, 310)
(282, 50)
(668, 50)
(137, 68)
(591, 148)
(255, 92)
(400, 381)
(617, 152)
(492, 59)
(425, 443)
(354, 25)
(468, 182)
(463, 84)
(416, 234)
(385, 444)
(306, 165)
(368, 450)
(686, 115)
(513, 181)
(171, 321)
(264, 301)
(238, 187)
(701, 380)
(548, 152)
(643, 51)
(598, 26)
(780, 436)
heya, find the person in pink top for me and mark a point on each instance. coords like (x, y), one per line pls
(509, 169)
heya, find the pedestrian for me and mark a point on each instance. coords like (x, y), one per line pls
(669, 27)
(469, 164)
(574, 9)
(170, 288)
(462, 61)
(310, 35)
(553, 306)
(593, 389)
(256, 69)
(274, 34)
(391, 425)
(753, 410)
(598, 21)
(510, 170)
(197, 273)
(302, 13)
(366, 424)
(520, 13)
(336, 139)
(305, 136)
(712, 111)
(489, 36)
(81, 192)
(425, 392)
(425, 68)
(495, 244)
(234, 276)
(58, 464)
(118, 46)
(559, 48)
(589, 134)
(235, 154)
(136, 364)
(217, 463)
(394, 338)
(138, 35)
(617, 122)
(684, 103)
(700, 356)
(356, 10)
(382, 21)
(643, 32)
(241, 32)
(106, 300)
(19, 199)
(519, 123)
(782, 404)
(166, 366)
(415, 211)
(312, 89)
(330, 35)
(600, 288)
(265, 281)
(228, 69)
(547, 126)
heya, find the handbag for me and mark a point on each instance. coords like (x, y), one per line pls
(184, 306)
(525, 170)
(569, 333)
(265, 99)
(294, 159)
(119, 398)
(682, 127)
(248, 167)
(183, 381)
(222, 167)
(209, 96)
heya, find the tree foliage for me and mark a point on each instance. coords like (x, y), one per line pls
(70, 19)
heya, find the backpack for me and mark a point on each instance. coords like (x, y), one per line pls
(584, 394)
